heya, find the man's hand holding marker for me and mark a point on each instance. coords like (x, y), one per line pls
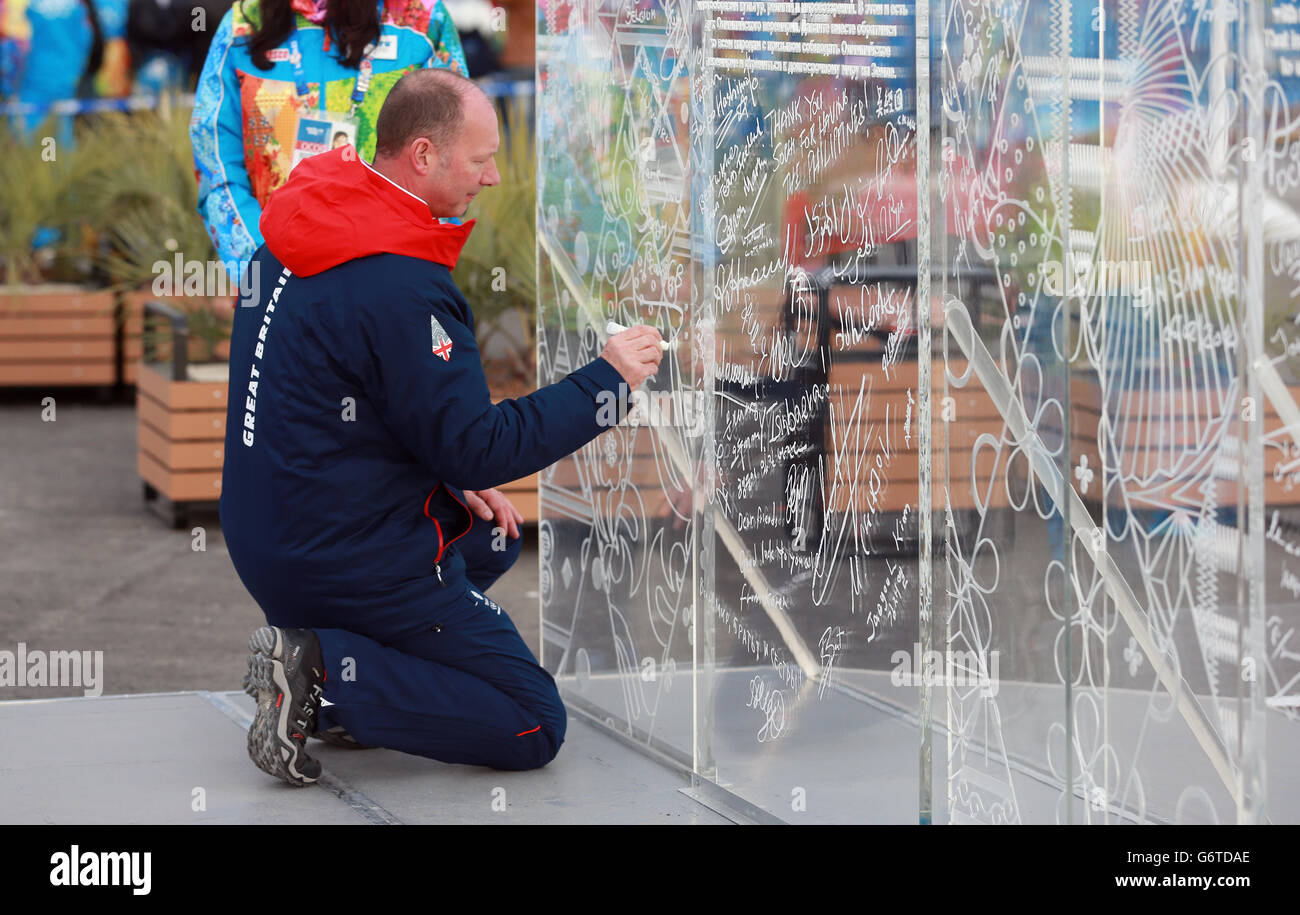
(635, 352)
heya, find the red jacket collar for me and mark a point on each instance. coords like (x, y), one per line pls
(335, 208)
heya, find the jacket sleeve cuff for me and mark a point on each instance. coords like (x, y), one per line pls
(598, 375)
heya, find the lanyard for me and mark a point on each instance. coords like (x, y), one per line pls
(295, 58)
(359, 89)
(362, 85)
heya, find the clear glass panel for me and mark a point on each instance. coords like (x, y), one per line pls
(1269, 703)
(817, 438)
(618, 533)
(1111, 148)
(1001, 396)
(974, 500)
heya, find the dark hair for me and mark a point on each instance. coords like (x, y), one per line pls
(352, 25)
(423, 103)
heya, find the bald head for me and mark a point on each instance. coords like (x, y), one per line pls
(423, 103)
(436, 136)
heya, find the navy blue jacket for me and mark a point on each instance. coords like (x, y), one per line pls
(359, 411)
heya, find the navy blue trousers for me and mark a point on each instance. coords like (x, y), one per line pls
(465, 689)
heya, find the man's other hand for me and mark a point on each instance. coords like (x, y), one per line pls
(489, 504)
(635, 352)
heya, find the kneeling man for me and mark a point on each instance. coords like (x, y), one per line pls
(362, 448)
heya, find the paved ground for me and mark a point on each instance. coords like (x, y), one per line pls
(179, 758)
(85, 567)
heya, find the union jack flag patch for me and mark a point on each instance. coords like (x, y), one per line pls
(441, 342)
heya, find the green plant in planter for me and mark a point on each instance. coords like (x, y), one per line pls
(497, 270)
(209, 321)
(41, 235)
(137, 189)
(138, 192)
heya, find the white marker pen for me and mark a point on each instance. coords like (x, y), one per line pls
(613, 327)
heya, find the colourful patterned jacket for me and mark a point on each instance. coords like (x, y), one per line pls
(245, 119)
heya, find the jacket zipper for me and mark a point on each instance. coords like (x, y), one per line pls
(442, 546)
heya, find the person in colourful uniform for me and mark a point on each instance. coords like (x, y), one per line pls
(15, 43)
(52, 50)
(272, 61)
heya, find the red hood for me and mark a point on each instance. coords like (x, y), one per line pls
(335, 208)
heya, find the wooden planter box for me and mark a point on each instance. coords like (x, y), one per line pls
(133, 306)
(181, 424)
(57, 335)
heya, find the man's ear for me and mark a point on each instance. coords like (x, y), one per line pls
(424, 155)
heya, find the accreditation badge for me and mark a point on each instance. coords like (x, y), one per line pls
(386, 49)
(321, 131)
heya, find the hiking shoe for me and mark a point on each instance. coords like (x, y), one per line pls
(338, 736)
(286, 674)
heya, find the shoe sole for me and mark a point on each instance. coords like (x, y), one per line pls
(269, 745)
(265, 641)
